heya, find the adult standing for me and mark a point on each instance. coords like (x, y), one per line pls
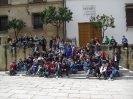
(43, 43)
(116, 59)
(25, 41)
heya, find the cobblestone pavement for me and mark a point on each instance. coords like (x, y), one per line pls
(20, 87)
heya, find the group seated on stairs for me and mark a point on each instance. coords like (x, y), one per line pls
(63, 57)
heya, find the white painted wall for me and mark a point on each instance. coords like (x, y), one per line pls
(116, 8)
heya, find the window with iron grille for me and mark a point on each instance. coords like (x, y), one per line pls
(3, 2)
(38, 0)
(3, 23)
(37, 21)
(129, 15)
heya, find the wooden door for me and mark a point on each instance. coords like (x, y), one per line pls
(86, 33)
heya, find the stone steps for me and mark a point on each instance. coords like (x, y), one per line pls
(126, 74)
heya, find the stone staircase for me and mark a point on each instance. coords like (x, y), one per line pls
(126, 74)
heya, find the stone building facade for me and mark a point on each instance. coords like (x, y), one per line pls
(28, 11)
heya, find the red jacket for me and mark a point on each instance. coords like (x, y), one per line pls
(97, 41)
(103, 54)
(74, 53)
(12, 66)
(51, 66)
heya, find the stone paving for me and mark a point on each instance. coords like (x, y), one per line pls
(21, 87)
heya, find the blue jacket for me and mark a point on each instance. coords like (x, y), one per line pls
(124, 40)
(68, 51)
(87, 64)
(73, 66)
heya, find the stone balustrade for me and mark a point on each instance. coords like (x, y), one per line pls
(7, 55)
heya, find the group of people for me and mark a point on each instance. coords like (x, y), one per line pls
(64, 57)
(26, 41)
(113, 42)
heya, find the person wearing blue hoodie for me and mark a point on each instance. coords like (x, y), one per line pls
(87, 66)
(114, 73)
(68, 51)
(125, 42)
(73, 67)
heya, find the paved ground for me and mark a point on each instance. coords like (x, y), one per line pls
(21, 87)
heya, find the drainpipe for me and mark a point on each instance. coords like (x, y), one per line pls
(64, 24)
(127, 60)
(5, 53)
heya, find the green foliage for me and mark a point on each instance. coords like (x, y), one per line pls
(102, 22)
(56, 17)
(16, 24)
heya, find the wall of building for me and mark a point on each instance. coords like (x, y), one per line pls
(116, 8)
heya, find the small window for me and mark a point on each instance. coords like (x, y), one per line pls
(37, 21)
(38, 0)
(3, 2)
(129, 15)
(3, 23)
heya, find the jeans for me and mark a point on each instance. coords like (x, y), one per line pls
(24, 67)
(12, 72)
(32, 70)
(56, 72)
(113, 75)
(46, 74)
(74, 71)
(117, 65)
(86, 70)
(19, 68)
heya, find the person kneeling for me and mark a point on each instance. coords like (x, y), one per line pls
(114, 73)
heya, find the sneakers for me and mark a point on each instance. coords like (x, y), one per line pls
(87, 76)
(56, 76)
(110, 79)
(125, 48)
(66, 76)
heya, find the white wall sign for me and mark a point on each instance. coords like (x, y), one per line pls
(89, 10)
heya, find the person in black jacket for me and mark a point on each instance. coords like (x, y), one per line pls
(51, 42)
(25, 41)
(116, 59)
(43, 43)
(20, 41)
(64, 68)
(47, 71)
(15, 42)
(96, 71)
(30, 41)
